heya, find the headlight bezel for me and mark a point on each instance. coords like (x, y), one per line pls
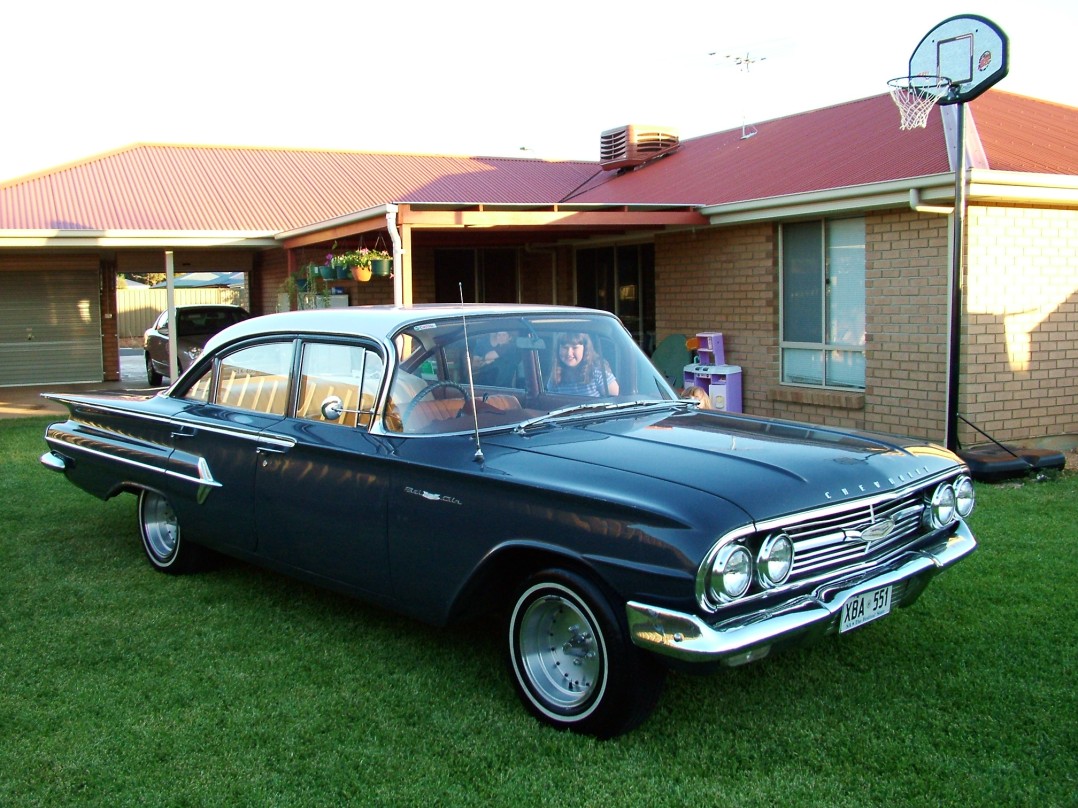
(784, 544)
(942, 507)
(718, 587)
(964, 493)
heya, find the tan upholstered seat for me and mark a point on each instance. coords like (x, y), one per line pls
(429, 411)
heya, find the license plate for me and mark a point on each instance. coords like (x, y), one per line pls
(865, 608)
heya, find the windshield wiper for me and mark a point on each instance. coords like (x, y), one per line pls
(592, 407)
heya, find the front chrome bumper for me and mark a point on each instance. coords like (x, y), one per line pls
(751, 636)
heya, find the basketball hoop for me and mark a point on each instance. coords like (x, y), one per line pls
(916, 95)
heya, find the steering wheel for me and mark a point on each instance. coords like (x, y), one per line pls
(426, 391)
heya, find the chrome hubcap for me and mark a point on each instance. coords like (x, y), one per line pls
(559, 652)
(159, 526)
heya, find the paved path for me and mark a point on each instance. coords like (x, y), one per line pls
(26, 402)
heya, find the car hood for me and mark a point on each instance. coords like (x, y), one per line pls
(768, 468)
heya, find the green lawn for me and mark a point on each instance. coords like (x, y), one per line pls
(121, 686)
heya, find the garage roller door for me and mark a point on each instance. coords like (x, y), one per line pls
(50, 327)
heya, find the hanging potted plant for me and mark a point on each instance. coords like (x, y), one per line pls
(354, 264)
(381, 263)
(328, 270)
(362, 271)
(340, 265)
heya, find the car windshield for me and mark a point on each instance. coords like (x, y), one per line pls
(502, 371)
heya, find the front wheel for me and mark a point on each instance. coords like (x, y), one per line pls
(161, 537)
(573, 664)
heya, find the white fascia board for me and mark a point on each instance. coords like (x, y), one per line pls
(878, 196)
(1020, 187)
(348, 218)
(180, 239)
(985, 186)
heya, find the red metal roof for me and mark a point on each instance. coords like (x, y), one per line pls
(850, 144)
(192, 188)
(1026, 134)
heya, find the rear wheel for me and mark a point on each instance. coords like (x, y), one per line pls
(161, 538)
(152, 376)
(573, 664)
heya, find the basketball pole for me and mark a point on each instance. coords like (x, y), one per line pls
(955, 339)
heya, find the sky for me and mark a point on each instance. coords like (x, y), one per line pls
(540, 79)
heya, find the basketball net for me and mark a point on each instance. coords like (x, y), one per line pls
(915, 96)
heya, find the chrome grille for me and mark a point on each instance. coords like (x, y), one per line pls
(834, 541)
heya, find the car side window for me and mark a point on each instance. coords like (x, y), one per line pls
(200, 390)
(352, 373)
(256, 378)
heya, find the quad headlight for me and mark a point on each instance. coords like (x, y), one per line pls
(965, 498)
(775, 560)
(731, 573)
(942, 506)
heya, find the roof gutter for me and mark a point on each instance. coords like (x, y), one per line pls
(1019, 186)
(929, 194)
(892, 194)
(377, 212)
(149, 239)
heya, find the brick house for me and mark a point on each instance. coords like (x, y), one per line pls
(820, 247)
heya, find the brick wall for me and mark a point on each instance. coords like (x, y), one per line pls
(907, 264)
(724, 280)
(1021, 359)
(272, 269)
(727, 280)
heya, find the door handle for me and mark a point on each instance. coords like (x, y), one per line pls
(264, 453)
(268, 450)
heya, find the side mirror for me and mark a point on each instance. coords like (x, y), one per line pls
(332, 408)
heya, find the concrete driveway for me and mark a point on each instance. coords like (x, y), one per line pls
(26, 402)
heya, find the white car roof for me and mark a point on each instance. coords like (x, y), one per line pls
(377, 321)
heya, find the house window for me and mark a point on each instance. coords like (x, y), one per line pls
(620, 280)
(823, 304)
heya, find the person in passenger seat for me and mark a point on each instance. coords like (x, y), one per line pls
(580, 370)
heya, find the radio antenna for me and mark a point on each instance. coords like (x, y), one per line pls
(471, 384)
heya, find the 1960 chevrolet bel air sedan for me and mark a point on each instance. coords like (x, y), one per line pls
(526, 461)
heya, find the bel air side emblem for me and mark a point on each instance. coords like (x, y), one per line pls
(430, 496)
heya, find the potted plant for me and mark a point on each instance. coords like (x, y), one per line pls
(326, 270)
(353, 264)
(381, 263)
(361, 270)
(304, 287)
(340, 265)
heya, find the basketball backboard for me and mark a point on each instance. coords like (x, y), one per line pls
(969, 50)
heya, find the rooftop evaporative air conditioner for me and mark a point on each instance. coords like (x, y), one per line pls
(634, 144)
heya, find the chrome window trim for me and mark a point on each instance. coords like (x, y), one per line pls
(244, 434)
